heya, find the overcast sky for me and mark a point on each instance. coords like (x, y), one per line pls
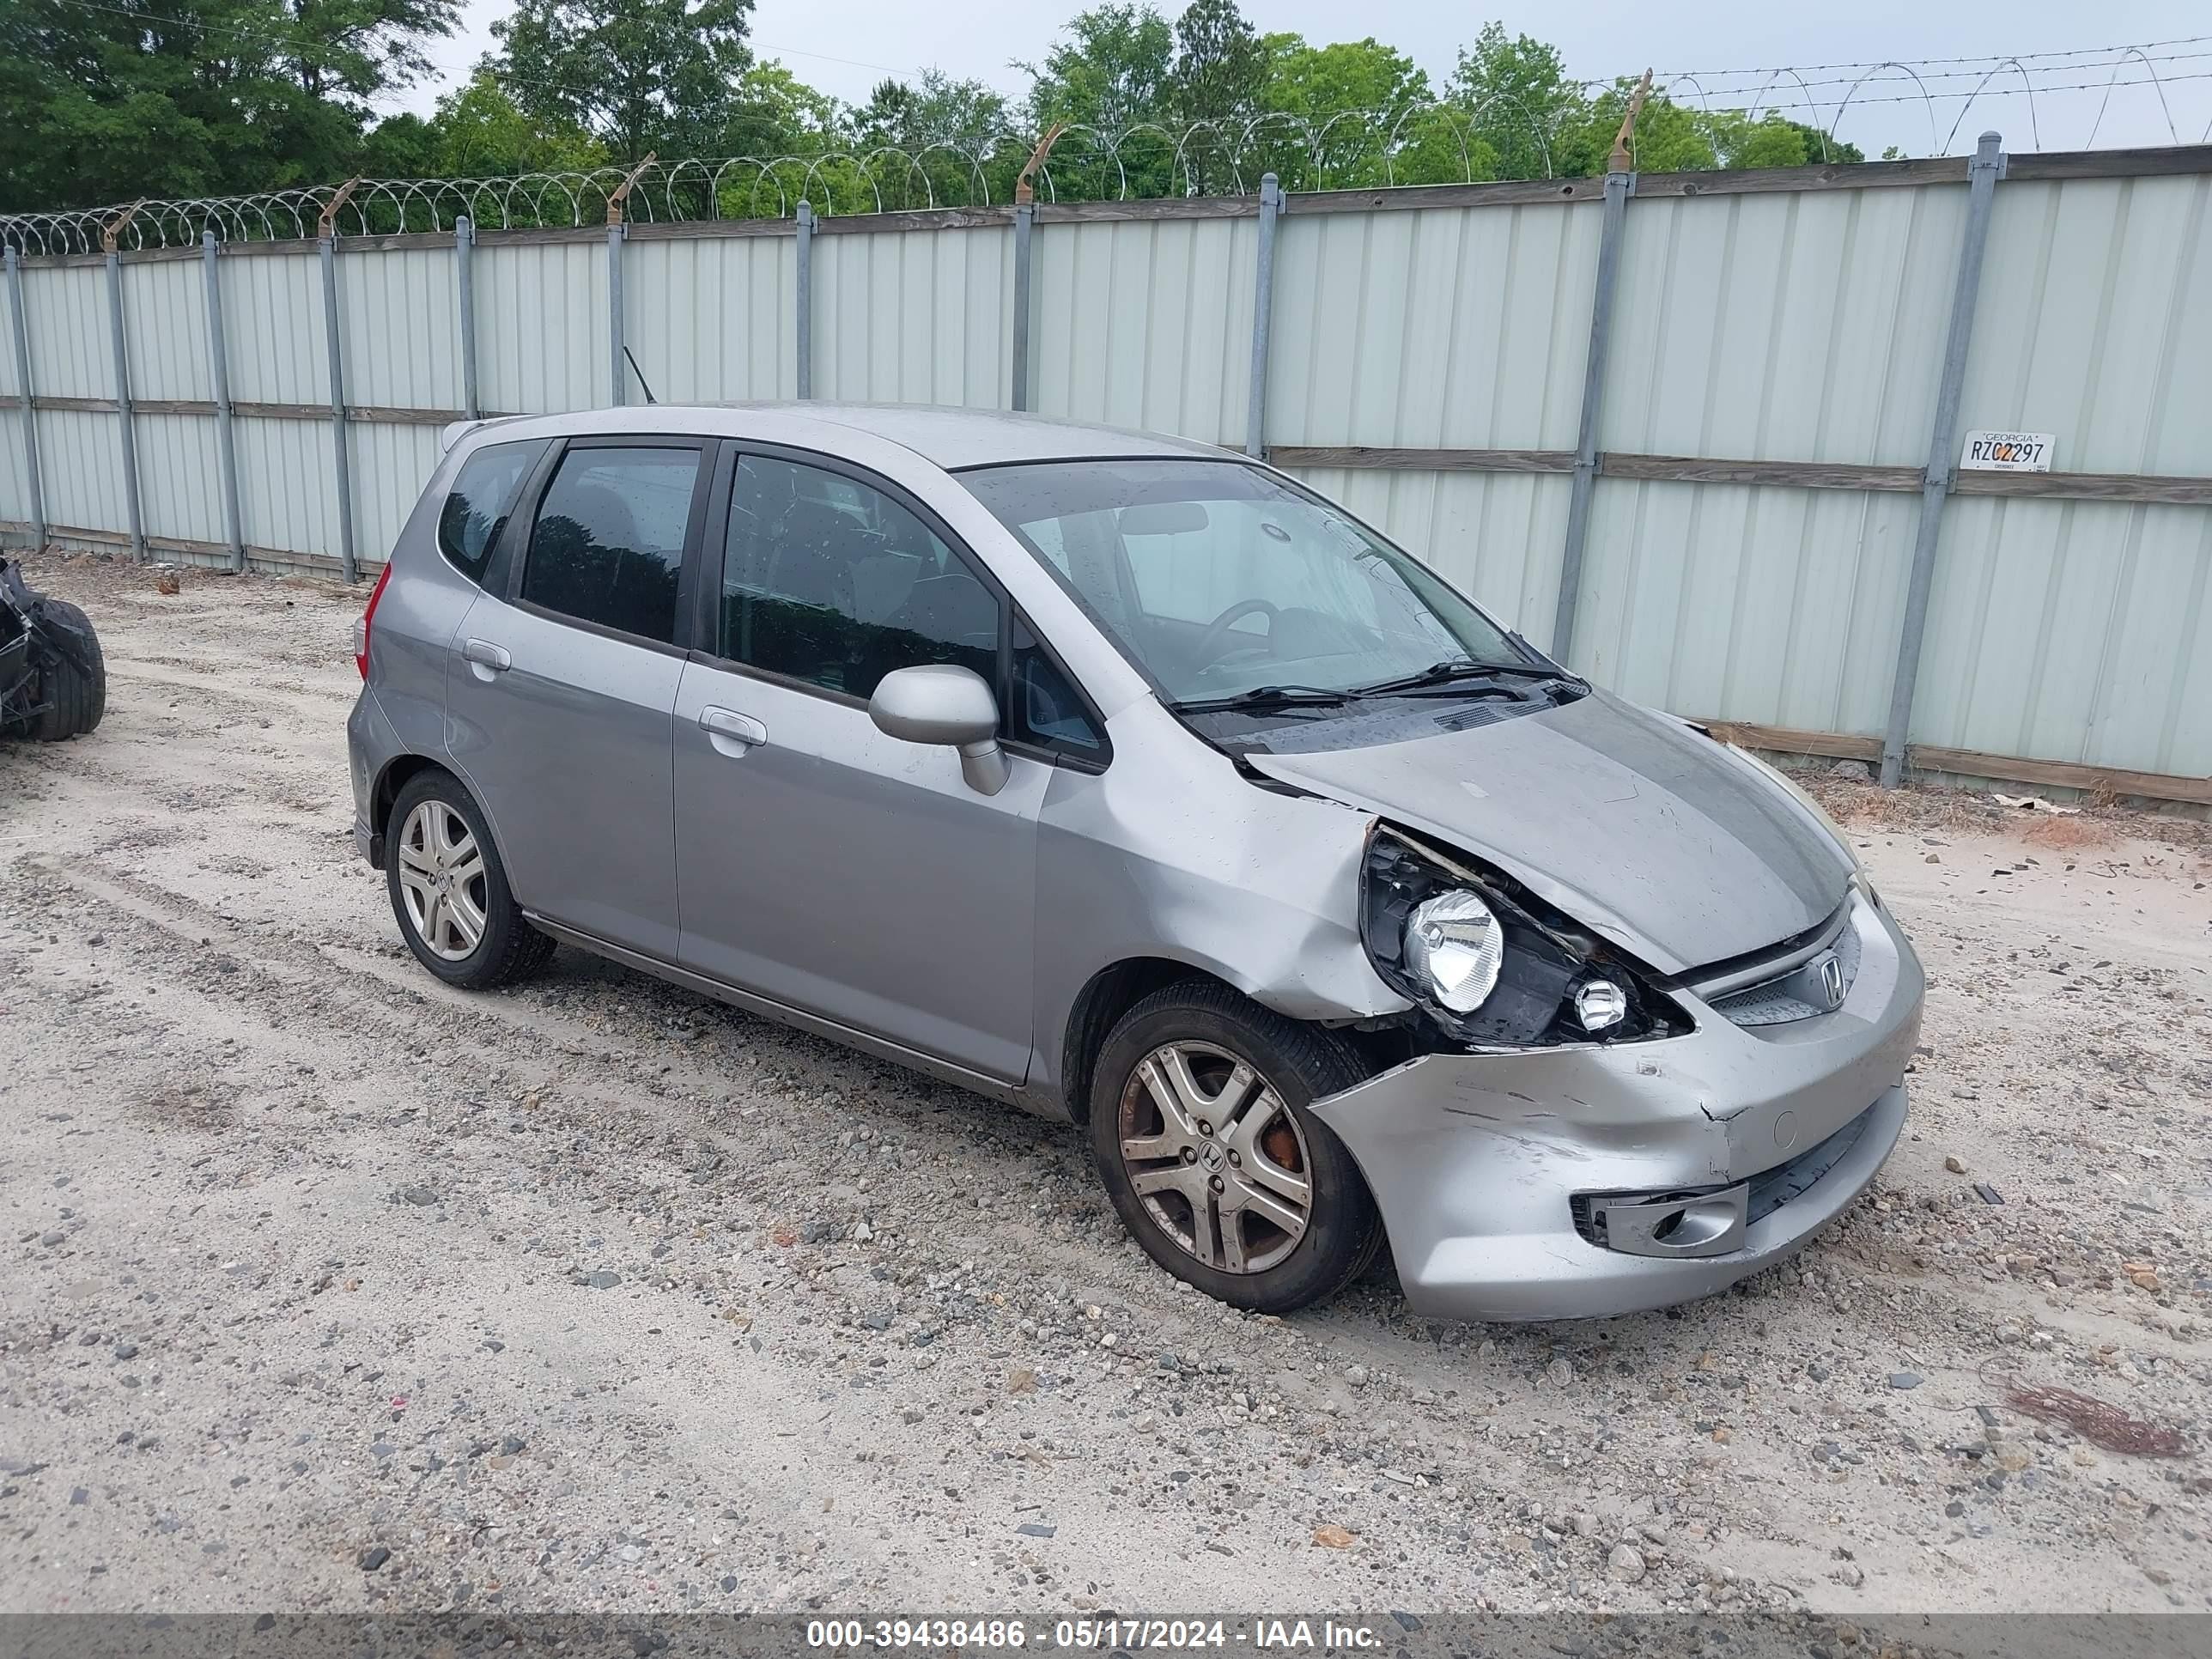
(845, 47)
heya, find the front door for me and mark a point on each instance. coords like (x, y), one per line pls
(563, 683)
(823, 865)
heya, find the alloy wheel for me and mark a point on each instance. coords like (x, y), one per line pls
(442, 880)
(1216, 1159)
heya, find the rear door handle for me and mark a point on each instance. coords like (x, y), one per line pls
(484, 654)
(731, 733)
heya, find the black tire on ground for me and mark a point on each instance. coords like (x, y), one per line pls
(75, 700)
(509, 949)
(1301, 1063)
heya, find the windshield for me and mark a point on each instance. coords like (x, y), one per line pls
(1217, 579)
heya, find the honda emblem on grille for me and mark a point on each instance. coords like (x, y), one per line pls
(1831, 980)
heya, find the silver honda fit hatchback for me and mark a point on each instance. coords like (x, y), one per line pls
(1132, 782)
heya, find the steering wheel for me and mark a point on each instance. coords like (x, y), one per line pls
(1209, 645)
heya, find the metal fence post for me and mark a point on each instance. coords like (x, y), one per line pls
(1619, 188)
(465, 247)
(340, 443)
(1982, 175)
(614, 308)
(218, 361)
(804, 299)
(123, 405)
(30, 412)
(1263, 297)
(1025, 223)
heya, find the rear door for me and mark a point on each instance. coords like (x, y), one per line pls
(563, 684)
(824, 864)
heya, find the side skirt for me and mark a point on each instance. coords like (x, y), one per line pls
(944, 1070)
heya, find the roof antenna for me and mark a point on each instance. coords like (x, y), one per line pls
(639, 372)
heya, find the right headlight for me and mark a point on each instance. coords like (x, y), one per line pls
(1492, 964)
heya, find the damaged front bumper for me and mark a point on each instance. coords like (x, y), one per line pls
(1590, 1180)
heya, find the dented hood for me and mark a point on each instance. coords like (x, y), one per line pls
(1639, 827)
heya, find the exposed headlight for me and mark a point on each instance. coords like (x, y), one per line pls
(1493, 965)
(1455, 944)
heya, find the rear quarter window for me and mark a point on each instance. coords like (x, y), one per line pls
(476, 508)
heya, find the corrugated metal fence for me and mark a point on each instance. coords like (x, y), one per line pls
(1731, 401)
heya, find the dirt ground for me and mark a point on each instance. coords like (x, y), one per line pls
(328, 1286)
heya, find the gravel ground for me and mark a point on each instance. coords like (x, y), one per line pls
(327, 1286)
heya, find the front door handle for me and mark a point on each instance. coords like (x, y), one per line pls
(731, 733)
(486, 655)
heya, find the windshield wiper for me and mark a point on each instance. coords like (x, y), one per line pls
(1268, 696)
(1454, 669)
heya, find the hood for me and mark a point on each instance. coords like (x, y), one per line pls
(1635, 824)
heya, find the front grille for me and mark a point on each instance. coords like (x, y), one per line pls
(1777, 1002)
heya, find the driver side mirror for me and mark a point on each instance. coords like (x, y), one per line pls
(943, 704)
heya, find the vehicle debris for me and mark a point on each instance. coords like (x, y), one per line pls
(53, 682)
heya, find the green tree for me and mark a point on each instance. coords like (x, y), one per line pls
(1111, 72)
(1215, 90)
(477, 132)
(1356, 114)
(1518, 97)
(663, 76)
(180, 98)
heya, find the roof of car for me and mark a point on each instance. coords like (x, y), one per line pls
(954, 438)
(950, 438)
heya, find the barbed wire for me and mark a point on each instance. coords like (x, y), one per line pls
(1440, 141)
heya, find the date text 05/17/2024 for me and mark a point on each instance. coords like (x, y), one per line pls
(1102, 1634)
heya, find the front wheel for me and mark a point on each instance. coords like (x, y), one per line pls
(1201, 1131)
(449, 890)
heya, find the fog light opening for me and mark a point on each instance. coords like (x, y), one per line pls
(1600, 1005)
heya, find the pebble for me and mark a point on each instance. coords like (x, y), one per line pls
(1904, 1379)
(604, 1280)
(374, 1558)
(1357, 1375)
(418, 1194)
(53, 1238)
(1955, 1164)
(1626, 1563)
(1560, 1373)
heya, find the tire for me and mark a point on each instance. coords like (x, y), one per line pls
(1243, 1162)
(473, 898)
(74, 700)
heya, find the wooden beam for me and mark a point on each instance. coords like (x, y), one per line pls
(1833, 745)
(1423, 460)
(1795, 475)
(1970, 762)
(1801, 475)
(2061, 774)
(2087, 487)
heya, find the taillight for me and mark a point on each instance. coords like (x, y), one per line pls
(361, 628)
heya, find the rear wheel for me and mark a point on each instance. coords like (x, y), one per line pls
(1201, 1128)
(74, 693)
(449, 891)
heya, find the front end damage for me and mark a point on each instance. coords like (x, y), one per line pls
(1591, 1179)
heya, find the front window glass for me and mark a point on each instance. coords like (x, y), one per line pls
(829, 581)
(1218, 579)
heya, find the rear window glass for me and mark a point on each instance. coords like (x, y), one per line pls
(476, 508)
(608, 546)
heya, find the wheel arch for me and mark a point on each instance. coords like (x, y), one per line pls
(1098, 1006)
